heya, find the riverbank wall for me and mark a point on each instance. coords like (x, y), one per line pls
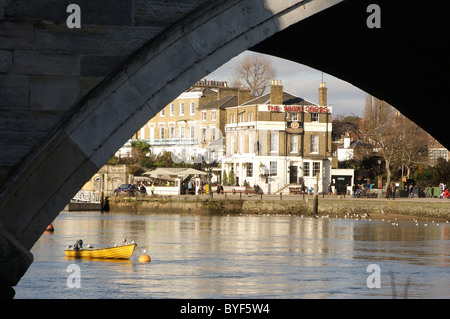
(374, 208)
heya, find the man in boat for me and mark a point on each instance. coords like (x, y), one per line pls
(78, 245)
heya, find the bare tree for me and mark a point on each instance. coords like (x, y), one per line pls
(379, 128)
(414, 142)
(256, 72)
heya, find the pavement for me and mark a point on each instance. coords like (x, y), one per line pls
(301, 197)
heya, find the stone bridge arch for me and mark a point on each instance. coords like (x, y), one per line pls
(87, 133)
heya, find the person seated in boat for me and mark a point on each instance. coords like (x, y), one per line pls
(78, 245)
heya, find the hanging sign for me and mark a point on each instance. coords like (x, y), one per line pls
(294, 127)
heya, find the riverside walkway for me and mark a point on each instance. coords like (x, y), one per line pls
(256, 204)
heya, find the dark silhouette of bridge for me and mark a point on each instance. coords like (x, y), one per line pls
(70, 97)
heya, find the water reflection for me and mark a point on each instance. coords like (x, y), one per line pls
(197, 256)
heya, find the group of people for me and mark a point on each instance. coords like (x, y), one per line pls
(390, 191)
(444, 191)
(358, 190)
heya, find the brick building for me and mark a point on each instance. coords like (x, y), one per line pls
(278, 140)
(188, 126)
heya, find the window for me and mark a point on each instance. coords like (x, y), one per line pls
(306, 169)
(274, 141)
(203, 115)
(192, 131)
(203, 135)
(294, 143)
(161, 132)
(232, 144)
(213, 115)
(172, 109)
(314, 143)
(314, 117)
(181, 128)
(249, 169)
(273, 168)
(435, 153)
(162, 112)
(294, 116)
(182, 108)
(172, 131)
(213, 134)
(241, 143)
(192, 108)
(316, 168)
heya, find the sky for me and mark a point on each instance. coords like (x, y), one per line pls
(303, 81)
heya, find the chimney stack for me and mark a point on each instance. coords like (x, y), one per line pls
(322, 94)
(243, 96)
(276, 92)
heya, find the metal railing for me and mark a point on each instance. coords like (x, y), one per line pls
(166, 141)
(86, 197)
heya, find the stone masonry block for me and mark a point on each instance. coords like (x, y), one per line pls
(32, 62)
(105, 118)
(58, 93)
(119, 136)
(13, 91)
(115, 40)
(105, 12)
(5, 61)
(99, 65)
(176, 58)
(16, 35)
(163, 13)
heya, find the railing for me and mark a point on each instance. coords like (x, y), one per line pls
(86, 197)
(167, 141)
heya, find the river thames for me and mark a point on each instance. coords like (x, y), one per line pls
(204, 256)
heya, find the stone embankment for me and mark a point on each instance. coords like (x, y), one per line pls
(438, 209)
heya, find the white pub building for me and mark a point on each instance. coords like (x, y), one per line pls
(279, 140)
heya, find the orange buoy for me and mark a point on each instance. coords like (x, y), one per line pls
(50, 228)
(144, 258)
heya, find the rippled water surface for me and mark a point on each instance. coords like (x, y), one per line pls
(197, 256)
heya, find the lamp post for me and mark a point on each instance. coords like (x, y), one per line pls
(380, 178)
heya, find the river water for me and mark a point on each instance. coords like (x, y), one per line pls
(198, 256)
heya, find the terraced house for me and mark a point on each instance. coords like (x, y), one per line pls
(191, 126)
(279, 140)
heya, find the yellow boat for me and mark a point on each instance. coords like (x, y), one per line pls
(113, 252)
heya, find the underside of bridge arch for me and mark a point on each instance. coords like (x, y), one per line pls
(405, 62)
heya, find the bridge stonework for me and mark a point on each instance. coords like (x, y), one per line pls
(69, 98)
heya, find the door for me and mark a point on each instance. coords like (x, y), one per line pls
(293, 174)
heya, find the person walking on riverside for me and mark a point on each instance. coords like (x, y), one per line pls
(388, 192)
(393, 188)
(354, 189)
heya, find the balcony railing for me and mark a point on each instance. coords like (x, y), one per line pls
(167, 141)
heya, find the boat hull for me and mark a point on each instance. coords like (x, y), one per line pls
(116, 252)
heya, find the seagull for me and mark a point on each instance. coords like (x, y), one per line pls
(124, 241)
(144, 251)
(90, 246)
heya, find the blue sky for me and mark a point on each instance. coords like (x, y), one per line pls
(304, 81)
